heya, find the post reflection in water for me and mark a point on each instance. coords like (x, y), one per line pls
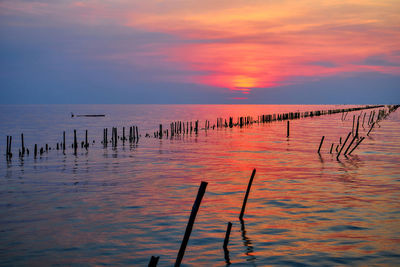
(247, 243)
(121, 205)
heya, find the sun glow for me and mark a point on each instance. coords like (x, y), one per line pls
(239, 45)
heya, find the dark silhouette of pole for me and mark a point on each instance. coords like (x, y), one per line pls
(153, 261)
(320, 144)
(340, 151)
(352, 141)
(189, 227)
(227, 234)
(247, 195)
(359, 142)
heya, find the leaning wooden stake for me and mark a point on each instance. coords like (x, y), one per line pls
(227, 234)
(153, 261)
(247, 195)
(340, 151)
(320, 144)
(352, 141)
(359, 142)
(189, 227)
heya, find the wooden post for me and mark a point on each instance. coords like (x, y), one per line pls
(372, 126)
(359, 142)
(22, 144)
(358, 122)
(189, 227)
(161, 133)
(287, 129)
(35, 150)
(86, 140)
(352, 129)
(340, 151)
(137, 134)
(75, 143)
(153, 261)
(106, 136)
(247, 194)
(330, 152)
(352, 141)
(320, 144)
(227, 234)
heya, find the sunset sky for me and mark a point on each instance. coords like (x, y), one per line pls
(209, 51)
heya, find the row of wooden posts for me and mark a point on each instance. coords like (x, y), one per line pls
(176, 127)
(133, 138)
(154, 260)
(382, 114)
(189, 227)
(181, 128)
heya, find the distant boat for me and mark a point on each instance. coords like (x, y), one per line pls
(87, 115)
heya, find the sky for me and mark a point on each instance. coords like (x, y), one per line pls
(199, 52)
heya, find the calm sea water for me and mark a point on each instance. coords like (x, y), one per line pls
(120, 206)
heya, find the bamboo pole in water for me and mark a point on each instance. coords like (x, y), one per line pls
(75, 143)
(22, 144)
(227, 234)
(359, 142)
(189, 227)
(287, 129)
(320, 144)
(153, 261)
(352, 141)
(340, 151)
(247, 195)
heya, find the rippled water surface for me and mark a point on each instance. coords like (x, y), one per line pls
(120, 206)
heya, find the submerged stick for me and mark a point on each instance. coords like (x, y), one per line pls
(330, 152)
(247, 194)
(320, 144)
(359, 142)
(340, 151)
(227, 234)
(189, 227)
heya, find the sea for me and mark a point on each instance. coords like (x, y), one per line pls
(120, 205)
